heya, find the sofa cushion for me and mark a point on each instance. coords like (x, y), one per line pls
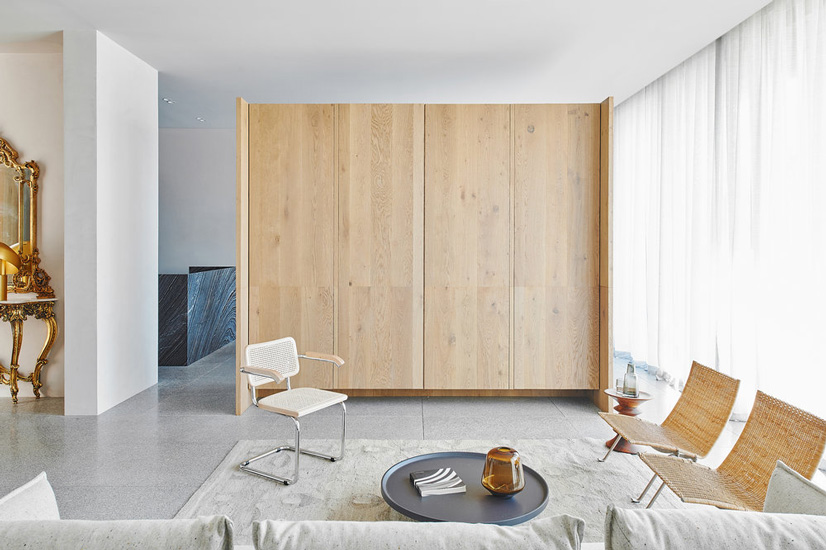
(181, 534)
(708, 528)
(554, 533)
(791, 493)
(35, 500)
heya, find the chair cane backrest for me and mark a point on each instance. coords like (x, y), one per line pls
(278, 355)
(701, 412)
(774, 431)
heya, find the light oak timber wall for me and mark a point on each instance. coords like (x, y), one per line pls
(292, 230)
(556, 233)
(606, 254)
(467, 250)
(452, 249)
(242, 235)
(381, 221)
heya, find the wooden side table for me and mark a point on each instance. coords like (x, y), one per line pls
(628, 406)
(14, 313)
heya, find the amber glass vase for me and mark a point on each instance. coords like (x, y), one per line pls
(503, 475)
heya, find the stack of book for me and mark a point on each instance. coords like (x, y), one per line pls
(443, 481)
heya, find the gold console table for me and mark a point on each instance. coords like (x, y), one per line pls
(15, 312)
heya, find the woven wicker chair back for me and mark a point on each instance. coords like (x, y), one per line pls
(278, 355)
(774, 431)
(704, 407)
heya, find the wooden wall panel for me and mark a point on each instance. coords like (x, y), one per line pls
(292, 233)
(242, 256)
(381, 216)
(467, 246)
(556, 244)
(435, 248)
(606, 253)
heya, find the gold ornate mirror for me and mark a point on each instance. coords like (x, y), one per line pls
(18, 220)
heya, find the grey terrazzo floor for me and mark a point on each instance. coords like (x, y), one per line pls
(147, 456)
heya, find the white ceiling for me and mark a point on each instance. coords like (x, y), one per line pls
(452, 51)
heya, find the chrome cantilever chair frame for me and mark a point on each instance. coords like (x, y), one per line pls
(245, 465)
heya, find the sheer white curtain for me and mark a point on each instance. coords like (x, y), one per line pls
(720, 210)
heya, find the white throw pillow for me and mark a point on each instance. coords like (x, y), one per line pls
(708, 528)
(35, 500)
(203, 533)
(791, 493)
(554, 533)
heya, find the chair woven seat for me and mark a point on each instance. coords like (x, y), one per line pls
(640, 432)
(775, 431)
(300, 401)
(700, 484)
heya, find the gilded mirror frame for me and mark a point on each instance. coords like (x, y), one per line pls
(31, 277)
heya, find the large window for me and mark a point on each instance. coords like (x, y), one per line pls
(720, 210)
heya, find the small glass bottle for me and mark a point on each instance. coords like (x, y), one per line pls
(629, 383)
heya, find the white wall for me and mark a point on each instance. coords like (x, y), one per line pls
(111, 235)
(80, 210)
(127, 224)
(31, 119)
(197, 198)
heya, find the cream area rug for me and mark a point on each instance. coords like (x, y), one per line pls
(350, 489)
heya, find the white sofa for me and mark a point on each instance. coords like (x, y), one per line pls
(686, 529)
(29, 519)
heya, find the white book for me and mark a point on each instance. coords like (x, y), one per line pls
(443, 481)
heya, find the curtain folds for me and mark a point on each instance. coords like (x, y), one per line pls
(720, 210)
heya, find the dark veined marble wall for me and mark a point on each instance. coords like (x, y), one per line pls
(172, 320)
(211, 310)
(196, 314)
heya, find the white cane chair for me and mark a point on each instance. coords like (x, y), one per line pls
(278, 360)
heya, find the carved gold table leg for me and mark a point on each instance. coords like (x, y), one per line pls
(17, 341)
(15, 313)
(51, 327)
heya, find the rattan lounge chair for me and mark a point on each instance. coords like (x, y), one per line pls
(775, 431)
(695, 422)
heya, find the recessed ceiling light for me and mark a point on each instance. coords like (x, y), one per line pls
(199, 119)
(170, 101)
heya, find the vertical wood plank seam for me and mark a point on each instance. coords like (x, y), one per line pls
(600, 332)
(246, 222)
(337, 248)
(424, 244)
(512, 245)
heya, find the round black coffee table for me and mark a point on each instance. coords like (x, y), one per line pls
(477, 505)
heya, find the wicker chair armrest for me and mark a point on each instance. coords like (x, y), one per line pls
(326, 357)
(260, 371)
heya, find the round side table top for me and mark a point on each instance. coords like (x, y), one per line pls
(644, 396)
(476, 505)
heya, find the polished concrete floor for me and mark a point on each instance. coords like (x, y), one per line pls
(147, 456)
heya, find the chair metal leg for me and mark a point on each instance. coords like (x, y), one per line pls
(285, 480)
(298, 452)
(343, 431)
(332, 458)
(650, 483)
(616, 442)
(656, 495)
